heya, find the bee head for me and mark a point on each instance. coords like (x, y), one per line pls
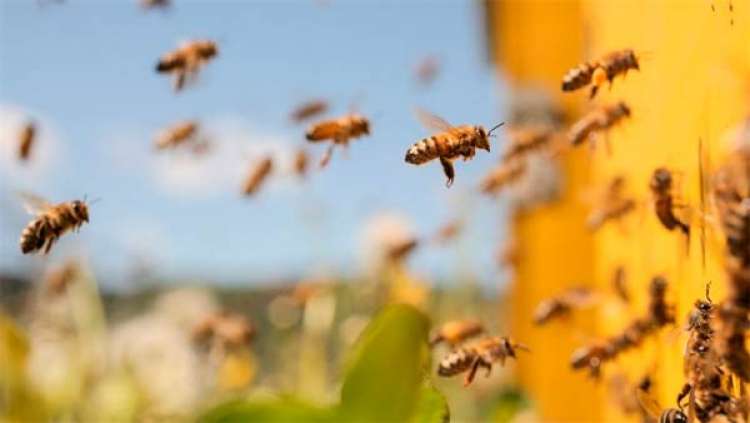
(362, 124)
(633, 59)
(207, 49)
(661, 181)
(81, 210)
(623, 109)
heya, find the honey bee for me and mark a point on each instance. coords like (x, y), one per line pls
(300, 163)
(613, 205)
(427, 70)
(661, 187)
(651, 405)
(456, 332)
(526, 139)
(26, 141)
(599, 71)
(257, 176)
(308, 110)
(449, 144)
(619, 284)
(224, 330)
(177, 134)
(339, 131)
(51, 222)
(562, 305)
(502, 175)
(153, 4)
(481, 353)
(186, 61)
(599, 119)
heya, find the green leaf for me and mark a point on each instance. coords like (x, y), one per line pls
(387, 366)
(280, 411)
(510, 402)
(432, 407)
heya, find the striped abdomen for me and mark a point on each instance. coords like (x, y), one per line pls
(38, 235)
(456, 362)
(578, 77)
(441, 145)
(673, 415)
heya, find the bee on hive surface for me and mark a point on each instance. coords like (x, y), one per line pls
(308, 110)
(338, 131)
(600, 119)
(449, 144)
(187, 60)
(612, 206)
(599, 71)
(258, 174)
(456, 332)
(26, 141)
(661, 186)
(51, 222)
(481, 353)
(562, 305)
(178, 134)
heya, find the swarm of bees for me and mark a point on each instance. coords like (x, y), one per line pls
(597, 72)
(481, 353)
(26, 140)
(338, 131)
(258, 174)
(50, 223)
(659, 315)
(563, 304)
(613, 206)
(449, 144)
(599, 120)
(186, 61)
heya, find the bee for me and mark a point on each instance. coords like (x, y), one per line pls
(177, 134)
(562, 305)
(592, 357)
(651, 405)
(26, 141)
(599, 119)
(186, 61)
(153, 4)
(613, 206)
(526, 139)
(661, 187)
(257, 176)
(482, 353)
(339, 131)
(455, 332)
(50, 222)
(619, 284)
(599, 71)
(449, 144)
(309, 110)
(502, 175)
(224, 330)
(427, 70)
(300, 163)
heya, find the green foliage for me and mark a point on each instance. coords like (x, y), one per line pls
(384, 381)
(509, 404)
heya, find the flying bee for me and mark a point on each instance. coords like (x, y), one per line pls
(177, 134)
(449, 144)
(592, 357)
(526, 139)
(225, 330)
(613, 205)
(600, 119)
(651, 405)
(502, 175)
(455, 332)
(339, 131)
(661, 186)
(186, 61)
(427, 70)
(26, 140)
(600, 71)
(482, 353)
(562, 305)
(308, 110)
(300, 163)
(257, 176)
(154, 4)
(448, 232)
(51, 222)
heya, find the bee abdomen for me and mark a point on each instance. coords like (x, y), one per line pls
(455, 363)
(33, 236)
(577, 77)
(673, 415)
(423, 151)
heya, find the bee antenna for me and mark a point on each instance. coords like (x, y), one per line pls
(495, 127)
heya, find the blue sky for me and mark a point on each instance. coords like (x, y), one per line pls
(84, 70)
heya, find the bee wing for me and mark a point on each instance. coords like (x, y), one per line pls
(33, 203)
(431, 121)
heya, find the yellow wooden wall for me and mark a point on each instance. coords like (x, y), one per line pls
(694, 83)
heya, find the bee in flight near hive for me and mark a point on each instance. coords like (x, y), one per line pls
(528, 138)
(455, 332)
(300, 163)
(661, 186)
(186, 61)
(613, 205)
(449, 144)
(339, 131)
(257, 176)
(308, 110)
(600, 71)
(427, 70)
(26, 141)
(562, 305)
(176, 135)
(600, 119)
(482, 353)
(503, 174)
(51, 222)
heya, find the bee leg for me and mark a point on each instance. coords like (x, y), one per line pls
(327, 156)
(179, 80)
(593, 91)
(448, 170)
(487, 366)
(474, 366)
(686, 389)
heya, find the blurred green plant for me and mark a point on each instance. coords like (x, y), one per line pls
(385, 380)
(509, 404)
